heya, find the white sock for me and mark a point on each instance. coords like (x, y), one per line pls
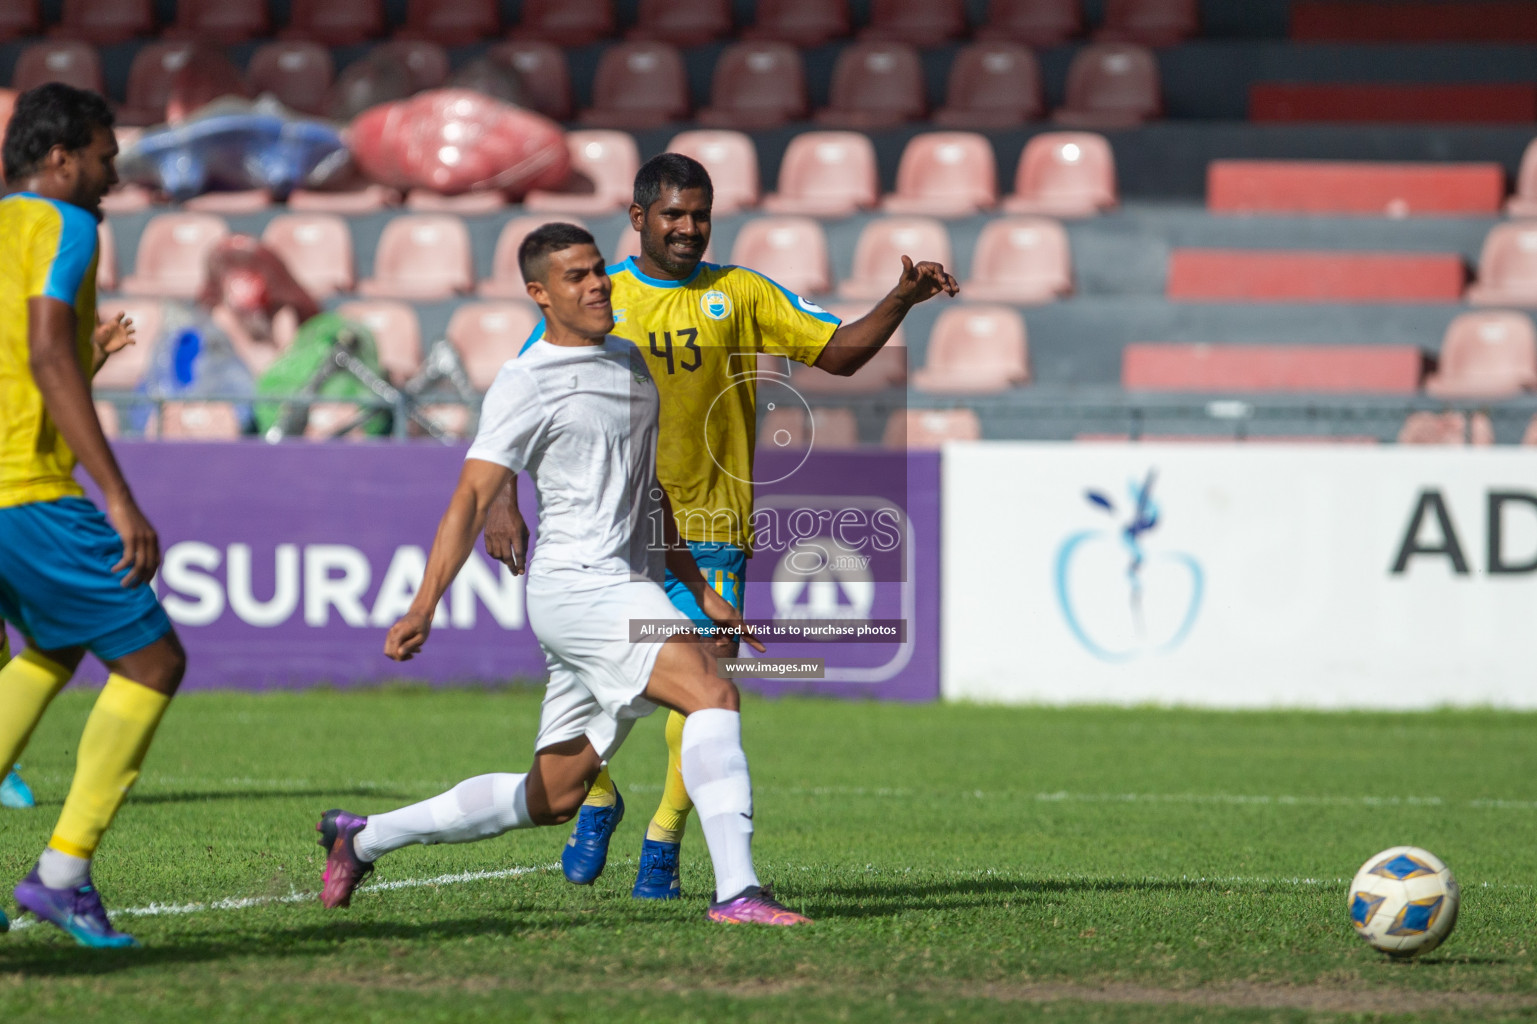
(477, 808)
(60, 870)
(715, 775)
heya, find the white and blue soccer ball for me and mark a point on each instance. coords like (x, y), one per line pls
(1404, 901)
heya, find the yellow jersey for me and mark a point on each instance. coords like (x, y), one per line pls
(701, 338)
(49, 250)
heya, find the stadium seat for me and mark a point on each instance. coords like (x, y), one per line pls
(248, 200)
(603, 166)
(367, 199)
(1039, 23)
(421, 256)
(1111, 85)
(62, 60)
(945, 174)
(790, 250)
(756, 85)
(732, 160)
(1020, 260)
(566, 23)
(1358, 369)
(875, 85)
(451, 22)
(506, 280)
(826, 174)
(335, 22)
(106, 258)
(106, 21)
(488, 334)
(465, 204)
(326, 418)
(975, 350)
(1150, 22)
(220, 21)
(683, 22)
(198, 421)
(543, 73)
(172, 261)
(638, 85)
(828, 429)
(802, 23)
(453, 418)
(1375, 188)
(126, 368)
(883, 243)
(1524, 202)
(919, 22)
(1507, 266)
(18, 19)
(1064, 174)
(297, 72)
(397, 334)
(1447, 428)
(1486, 355)
(992, 85)
(149, 81)
(207, 75)
(425, 61)
(316, 248)
(930, 428)
(1280, 275)
(886, 369)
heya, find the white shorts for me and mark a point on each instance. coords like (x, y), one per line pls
(597, 675)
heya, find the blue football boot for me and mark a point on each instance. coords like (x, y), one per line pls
(14, 791)
(657, 878)
(586, 851)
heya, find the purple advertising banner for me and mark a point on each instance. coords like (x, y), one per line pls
(285, 565)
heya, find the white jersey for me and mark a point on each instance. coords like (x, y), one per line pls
(581, 421)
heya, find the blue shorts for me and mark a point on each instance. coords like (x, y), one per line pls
(57, 585)
(725, 569)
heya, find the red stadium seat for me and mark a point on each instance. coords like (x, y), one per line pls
(566, 23)
(421, 256)
(488, 334)
(106, 21)
(1408, 103)
(297, 72)
(1338, 186)
(126, 368)
(198, 421)
(18, 19)
(732, 160)
(543, 73)
(317, 249)
(1064, 174)
(992, 85)
(1364, 369)
(397, 334)
(683, 22)
(975, 349)
(1020, 260)
(335, 22)
(638, 85)
(803, 23)
(367, 199)
(1039, 23)
(883, 243)
(1524, 202)
(208, 75)
(63, 60)
(919, 22)
(1507, 266)
(826, 174)
(603, 166)
(1447, 428)
(790, 250)
(426, 62)
(1486, 355)
(150, 77)
(1111, 85)
(876, 85)
(1258, 275)
(106, 258)
(945, 174)
(930, 428)
(1150, 22)
(220, 21)
(451, 22)
(172, 261)
(756, 85)
(506, 280)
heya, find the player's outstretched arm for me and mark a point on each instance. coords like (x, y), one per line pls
(680, 562)
(479, 484)
(855, 344)
(506, 532)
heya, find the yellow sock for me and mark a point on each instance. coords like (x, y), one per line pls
(672, 815)
(112, 748)
(27, 686)
(602, 792)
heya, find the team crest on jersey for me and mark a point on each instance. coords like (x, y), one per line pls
(716, 304)
(619, 315)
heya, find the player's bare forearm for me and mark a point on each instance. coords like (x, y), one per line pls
(506, 532)
(855, 344)
(66, 392)
(479, 485)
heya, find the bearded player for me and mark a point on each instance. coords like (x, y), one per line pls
(699, 326)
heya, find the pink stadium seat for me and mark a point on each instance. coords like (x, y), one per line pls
(876, 85)
(945, 174)
(826, 174)
(250, 200)
(992, 85)
(397, 334)
(543, 73)
(732, 160)
(106, 21)
(1039, 23)
(1020, 260)
(1447, 428)
(506, 280)
(111, 423)
(1111, 85)
(1507, 266)
(220, 21)
(828, 430)
(106, 258)
(1150, 22)
(1360, 369)
(488, 334)
(1064, 174)
(367, 199)
(465, 204)
(603, 166)
(566, 23)
(975, 349)
(326, 418)
(297, 72)
(124, 370)
(1281, 275)
(421, 256)
(803, 23)
(454, 419)
(1524, 202)
(149, 81)
(62, 60)
(173, 255)
(335, 22)
(887, 369)
(317, 249)
(790, 250)
(683, 22)
(1486, 355)
(883, 243)
(756, 85)
(452, 22)
(18, 19)
(638, 85)
(198, 421)
(919, 22)
(931, 428)
(425, 61)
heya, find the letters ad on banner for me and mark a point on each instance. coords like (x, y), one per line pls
(1240, 576)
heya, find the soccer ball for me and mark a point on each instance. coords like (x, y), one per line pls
(1404, 901)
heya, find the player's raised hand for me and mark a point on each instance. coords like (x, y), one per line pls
(141, 544)
(923, 281)
(114, 335)
(407, 636)
(723, 613)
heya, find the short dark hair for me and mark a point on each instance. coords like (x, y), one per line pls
(534, 253)
(670, 169)
(51, 115)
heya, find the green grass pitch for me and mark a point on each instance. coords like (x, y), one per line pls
(963, 863)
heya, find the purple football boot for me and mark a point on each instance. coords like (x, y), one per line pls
(77, 911)
(345, 870)
(755, 905)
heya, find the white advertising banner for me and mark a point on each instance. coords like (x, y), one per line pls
(1240, 575)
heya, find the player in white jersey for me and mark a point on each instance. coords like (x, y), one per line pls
(578, 413)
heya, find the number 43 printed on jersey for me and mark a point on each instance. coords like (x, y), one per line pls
(662, 348)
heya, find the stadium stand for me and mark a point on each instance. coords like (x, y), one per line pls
(1524, 202)
(945, 174)
(875, 85)
(1150, 22)
(543, 73)
(756, 85)
(424, 60)
(1064, 174)
(732, 161)
(297, 72)
(506, 279)
(931, 428)
(788, 427)
(638, 85)
(335, 22)
(1197, 275)
(61, 60)
(18, 19)
(566, 23)
(918, 22)
(172, 260)
(800, 22)
(125, 369)
(421, 256)
(603, 176)
(1111, 85)
(1379, 369)
(219, 21)
(975, 349)
(1507, 267)
(1481, 103)
(1039, 23)
(1021, 260)
(487, 334)
(1384, 189)
(364, 199)
(317, 248)
(827, 174)
(682, 22)
(790, 250)
(451, 22)
(1488, 355)
(198, 421)
(1413, 21)
(106, 21)
(149, 82)
(992, 85)
(1448, 427)
(397, 334)
(883, 243)
(106, 258)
